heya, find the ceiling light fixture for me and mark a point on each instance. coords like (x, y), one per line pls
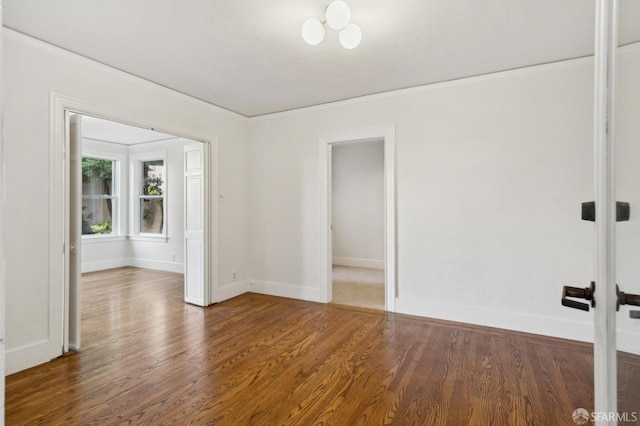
(337, 17)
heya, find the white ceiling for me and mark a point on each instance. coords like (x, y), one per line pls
(248, 56)
(112, 131)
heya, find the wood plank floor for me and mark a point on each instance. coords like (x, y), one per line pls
(148, 358)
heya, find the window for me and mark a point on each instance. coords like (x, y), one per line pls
(148, 205)
(151, 206)
(99, 202)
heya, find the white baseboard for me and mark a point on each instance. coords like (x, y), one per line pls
(138, 263)
(358, 263)
(628, 341)
(157, 265)
(546, 326)
(28, 356)
(229, 291)
(104, 264)
(285, 290)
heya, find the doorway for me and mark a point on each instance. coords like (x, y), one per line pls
(357, 193)
(357, 140)
(199, 286)
(135, 200)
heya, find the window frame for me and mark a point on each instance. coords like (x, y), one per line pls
(116, 209)
(136, 195)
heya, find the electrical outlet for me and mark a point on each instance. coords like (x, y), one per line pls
(234, 275)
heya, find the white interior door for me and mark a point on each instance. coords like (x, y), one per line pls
(74, 235)
(195, 274)
(627, 166)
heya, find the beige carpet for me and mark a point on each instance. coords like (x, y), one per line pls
(358, 286)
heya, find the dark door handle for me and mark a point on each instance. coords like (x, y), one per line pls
(628, 299)
(578, 293)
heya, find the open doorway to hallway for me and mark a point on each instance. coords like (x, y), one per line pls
(358, 223)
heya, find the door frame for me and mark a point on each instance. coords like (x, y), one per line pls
(59, 105)
(605, 348)
(386, 133)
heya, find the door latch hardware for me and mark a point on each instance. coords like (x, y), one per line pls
(579, 293)
(622, 211)
(628, 299)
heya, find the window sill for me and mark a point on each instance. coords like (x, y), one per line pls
(91, 239)
(149, 238)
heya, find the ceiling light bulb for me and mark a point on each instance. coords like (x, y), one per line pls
(338, 14)
(351, 36)
(313, 31)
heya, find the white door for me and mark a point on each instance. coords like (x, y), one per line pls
(616, 373)
(617, 234)
(74, 234)
(195, 250)
(625, 361)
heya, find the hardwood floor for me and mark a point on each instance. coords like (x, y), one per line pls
(148, 358)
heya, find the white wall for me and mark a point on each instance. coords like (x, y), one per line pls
(32, 71)
(628, 189)
(491, 172)
(165, 254)
(358, 204)
(2, 240)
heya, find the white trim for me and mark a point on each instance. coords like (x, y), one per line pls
(157, 265)
(104, 264)
(604, 352)
(18, 359)
(11, 33)
(285, 290)
(358, 263)
(229, 291)
(387, 133)
(581, 330)
(629, 341)
(3, 310)
(211, 217)
(59, 105)
(76, 57)
(448, 84)
(149, 238)
(102, 238)
(58, 246)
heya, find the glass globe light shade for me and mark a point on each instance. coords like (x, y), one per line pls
(312, 31)
(338, 14)
(350, 37)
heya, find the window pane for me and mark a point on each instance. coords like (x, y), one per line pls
(151, 215)
(153, 177)
(97, 176)
(96, 215)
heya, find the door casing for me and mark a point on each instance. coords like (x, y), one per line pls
(59, 106)
(386, 133)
